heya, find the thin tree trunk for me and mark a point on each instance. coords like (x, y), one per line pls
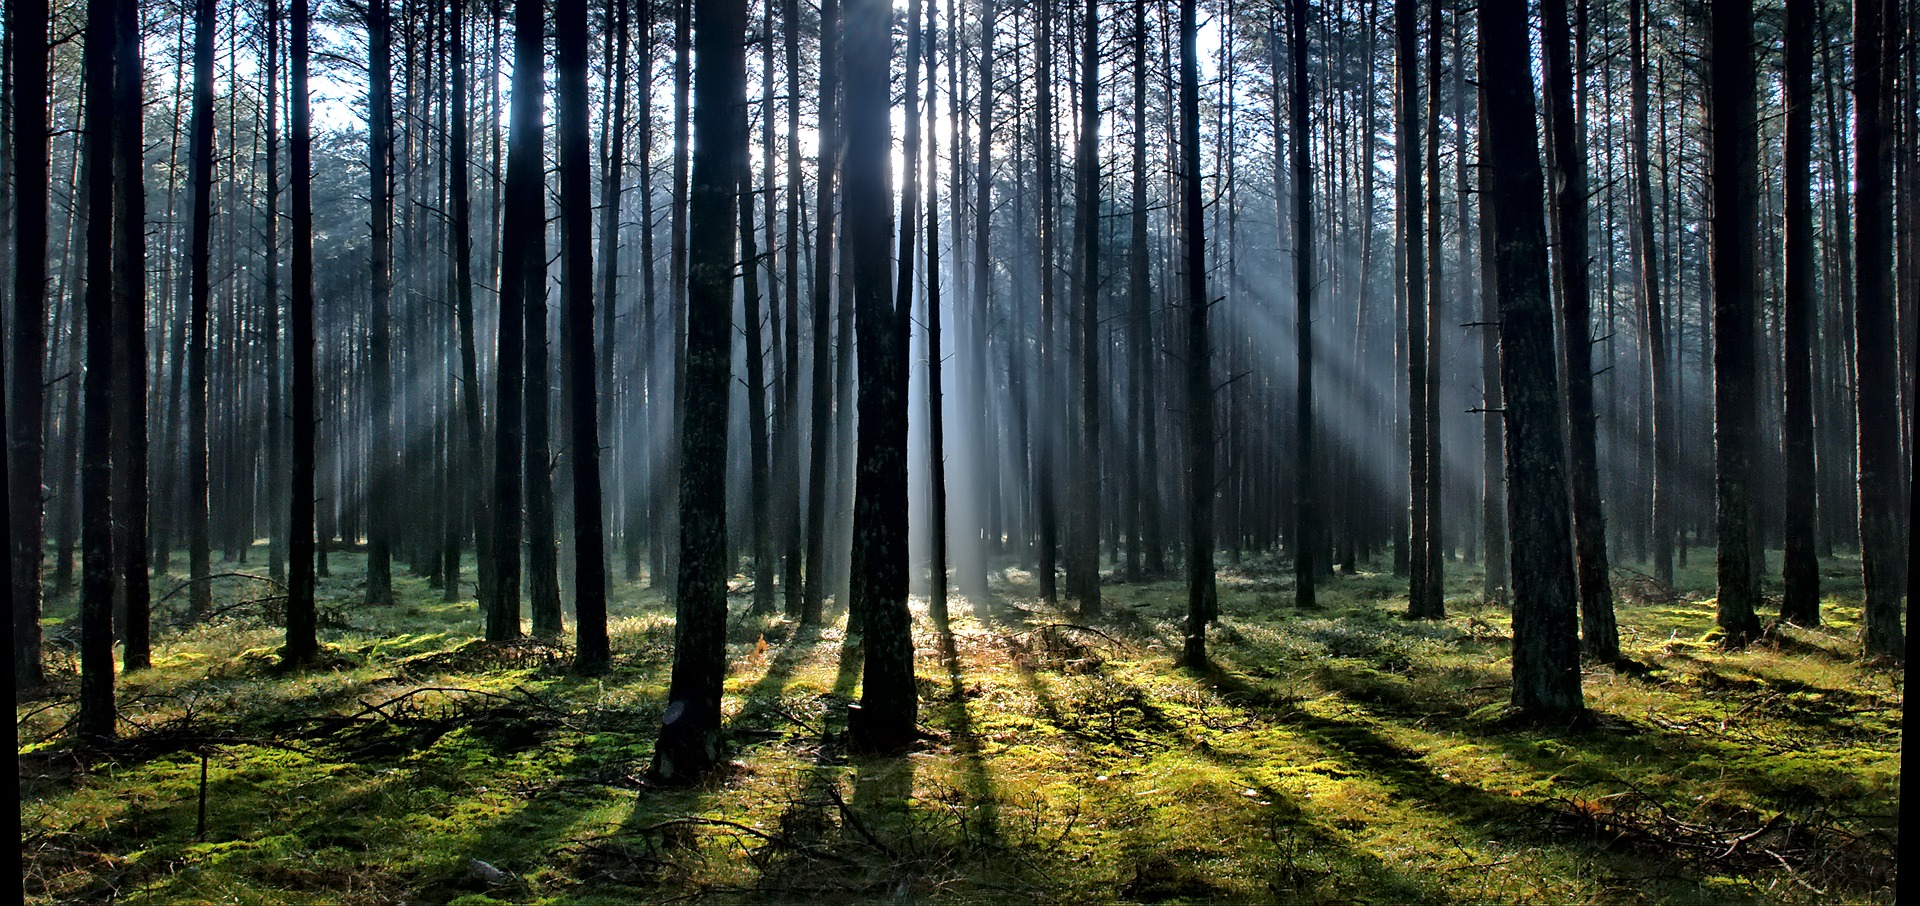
(1423, 600)
(302, 643)
(1201, 601)
(760, 533)
(474, 459)
(1307, 531)
(936, 418)
(1568, 155)
(384, 456)
(200, 215)
(130, 466)
(1086, 208)
(1647, 258)
(96, 719)
(822, 434)
(1800, 602)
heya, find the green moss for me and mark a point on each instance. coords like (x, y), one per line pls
(1332, 756)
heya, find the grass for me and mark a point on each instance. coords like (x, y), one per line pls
(1337, 755)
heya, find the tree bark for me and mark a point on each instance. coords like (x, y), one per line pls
(1876, 396)
(28, 45)
(302, 644)
(591, 653)
(1201, 600)
(1423, 599)
(383, 455)
(96, 719)
(1085, 561)
(1647, 258)
(1800, 603)
(1546, 641)
(1568, 155)
(889, 701)
(1732, 184)
(130, 466)
(690, 741)
(1307, 533)
(822, 432)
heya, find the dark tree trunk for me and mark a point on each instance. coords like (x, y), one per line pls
(96, 718)
(1800, 570)
(1142, 499)
(383, 455)
(200, 217)
(1732, 183)
(1423, 598)
(669, 509)
(27, 31)
(473, 455)
(522, 271)
(302, 643)
(792, 580)
(1876, 396)
(1085, 559)
(760, 533)
(273, 488)
(822, 433)
(130, 542)
(936, 418)
(1546, 640)
(1307, 534)
(889, 700)
(690, 741)
(1647, 257)
(576, 312)
(1568, 155)
(1201, 600)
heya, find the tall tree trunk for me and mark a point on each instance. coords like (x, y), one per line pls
(1647, 257)
(1307, 535)
(130, 543)
(1546, 641)
(1201, 600)
(1085, 560)
(27, 43)
(1142, 499)
(760, 533)
(822, 433)
(889, 701)
(576, 312)
(1050, 400)
(793, 579)
(383, 453)
(936, 417)
(668, 576)
(1423, 599)
(200, 217)
(1732, 184)
(1435, 314)
(302, 644)
(274, 490)
(474, 455)
(1568, 155)
(690, 741)
(522, 272)
(1876, 395)
(1800, 570)
(97, 717)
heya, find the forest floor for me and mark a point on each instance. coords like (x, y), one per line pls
(1336, 755)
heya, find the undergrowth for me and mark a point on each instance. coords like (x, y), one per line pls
(1337, 755)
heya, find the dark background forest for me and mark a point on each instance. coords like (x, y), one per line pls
(974, 449)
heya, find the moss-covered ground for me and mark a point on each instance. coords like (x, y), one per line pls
(1337, 755)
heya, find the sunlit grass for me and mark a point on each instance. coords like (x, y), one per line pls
(1338, 755)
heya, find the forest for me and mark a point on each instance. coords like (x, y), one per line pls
(557, 451)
